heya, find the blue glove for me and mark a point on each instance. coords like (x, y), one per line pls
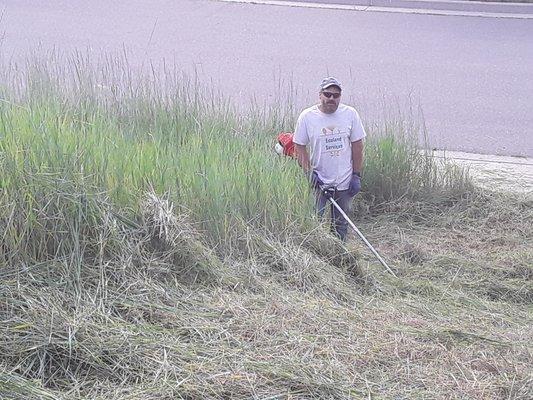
(315, 181)
(355, 184)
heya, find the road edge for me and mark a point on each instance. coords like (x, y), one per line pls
(397, 10)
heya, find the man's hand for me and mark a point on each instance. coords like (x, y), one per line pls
(355, 184)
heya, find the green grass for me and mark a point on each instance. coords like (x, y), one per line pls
(175, 137)
(211, 167)
(154, 247)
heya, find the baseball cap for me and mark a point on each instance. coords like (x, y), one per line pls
(330, 81)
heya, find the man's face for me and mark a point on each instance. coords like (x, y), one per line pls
(330, 99)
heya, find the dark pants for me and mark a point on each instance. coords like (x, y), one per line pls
(339, 225)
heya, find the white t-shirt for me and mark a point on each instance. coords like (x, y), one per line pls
(329, 137)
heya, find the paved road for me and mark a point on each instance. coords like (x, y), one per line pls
(472, 76)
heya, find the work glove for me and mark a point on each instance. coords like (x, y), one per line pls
(355, 184)
(315, 181)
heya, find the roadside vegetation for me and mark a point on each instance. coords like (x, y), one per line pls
(153, 246)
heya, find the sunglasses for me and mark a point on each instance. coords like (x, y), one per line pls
(329, 95)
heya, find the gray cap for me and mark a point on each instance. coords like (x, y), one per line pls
(330, 81)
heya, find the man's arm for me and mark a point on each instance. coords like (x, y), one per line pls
(303, 157)
(357, 156)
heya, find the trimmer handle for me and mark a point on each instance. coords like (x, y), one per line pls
(328, 191)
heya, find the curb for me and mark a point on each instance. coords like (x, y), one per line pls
(443, 5)
(421, 7)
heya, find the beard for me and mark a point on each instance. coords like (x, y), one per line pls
(330, 107)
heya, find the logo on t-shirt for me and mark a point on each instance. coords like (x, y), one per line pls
(332, 139)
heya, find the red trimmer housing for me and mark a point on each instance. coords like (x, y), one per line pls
(285, 144)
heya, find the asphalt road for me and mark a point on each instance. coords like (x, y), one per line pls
(472, 77)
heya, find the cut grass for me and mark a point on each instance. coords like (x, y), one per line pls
(137, 332)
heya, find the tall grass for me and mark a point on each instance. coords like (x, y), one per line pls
(72, 130)
(171, 136)
(163, 130)
(397, 169)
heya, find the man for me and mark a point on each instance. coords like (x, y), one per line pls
(334, 134)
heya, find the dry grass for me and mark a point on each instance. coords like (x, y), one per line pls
(156, 314)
